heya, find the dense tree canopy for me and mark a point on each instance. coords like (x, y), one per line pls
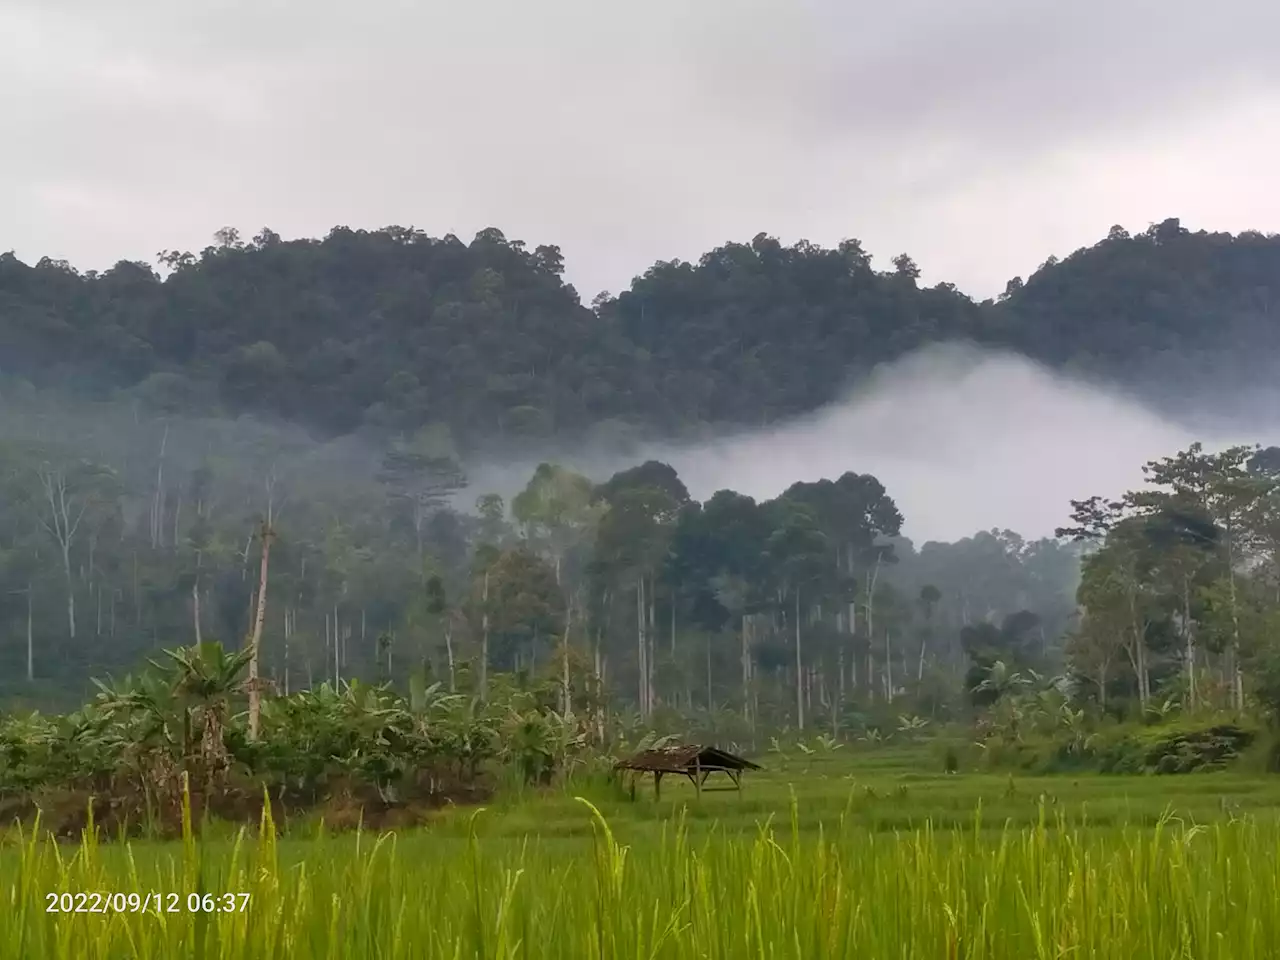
(123, 533)
(140, 487)
(392, 330)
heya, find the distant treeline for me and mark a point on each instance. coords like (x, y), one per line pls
(391, 330)
(121, 534)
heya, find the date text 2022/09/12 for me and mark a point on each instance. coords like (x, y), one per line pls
(153, 901)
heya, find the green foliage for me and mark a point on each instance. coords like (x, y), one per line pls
(1183, 579)
(1170, 748)
(357, 743)
(1180, 748)
(390, 330)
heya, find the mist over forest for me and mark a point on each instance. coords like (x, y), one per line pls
(382, 399)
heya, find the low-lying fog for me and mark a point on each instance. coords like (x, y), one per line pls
(963, 439)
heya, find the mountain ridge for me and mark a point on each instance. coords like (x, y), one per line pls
(392, 330)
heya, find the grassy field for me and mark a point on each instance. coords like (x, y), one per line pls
(845, 855)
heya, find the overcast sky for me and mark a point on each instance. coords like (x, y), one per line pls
(978, 135)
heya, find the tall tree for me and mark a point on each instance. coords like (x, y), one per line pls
(68, 493)
(422, 477)
(1195, 484)
(801, 551)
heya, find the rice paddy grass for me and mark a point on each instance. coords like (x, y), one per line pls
(845, 855)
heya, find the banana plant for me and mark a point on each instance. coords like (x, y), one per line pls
(204, 679)
(912, 726)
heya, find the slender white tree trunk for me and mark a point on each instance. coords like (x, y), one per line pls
(641, 651)
(1188, 627)
(484, 642)
(195, 607)
(888, 667)
(255, 691)
(566, 699)
(799, 668)
(31, 647)
(71, 590)
(448, 647)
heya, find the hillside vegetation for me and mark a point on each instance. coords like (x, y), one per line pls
(390, 330)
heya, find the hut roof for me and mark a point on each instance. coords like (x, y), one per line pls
(683, 759)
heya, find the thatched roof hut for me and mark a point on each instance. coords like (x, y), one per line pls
(691, 760)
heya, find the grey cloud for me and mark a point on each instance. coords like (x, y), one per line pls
(625, 132)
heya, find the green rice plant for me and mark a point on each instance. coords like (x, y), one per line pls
(1053, 887)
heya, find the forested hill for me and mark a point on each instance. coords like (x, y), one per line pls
(1177, 315)
(392, 329)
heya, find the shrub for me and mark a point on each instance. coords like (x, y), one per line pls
(1177, 748)
(1182, 747)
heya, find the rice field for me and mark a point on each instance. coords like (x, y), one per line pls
(822, 859)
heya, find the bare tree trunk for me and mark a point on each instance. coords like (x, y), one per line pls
(799, 669)
(599, 698)
(31, 647)
(1188, 626)
(195, 607)
(484, 642)
(157, 500)
(566, 699)
(448, 647)
(709, 701)
(869, 622)
(651, 636)
(598, 704)
(641, 650)
(888, 667)
(255, 643)
(1237, 673)
(1139, 650)
(673, 625)
(311, 667)
(64, 522)
(288, 632)
(311, 670)
(71, 592)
